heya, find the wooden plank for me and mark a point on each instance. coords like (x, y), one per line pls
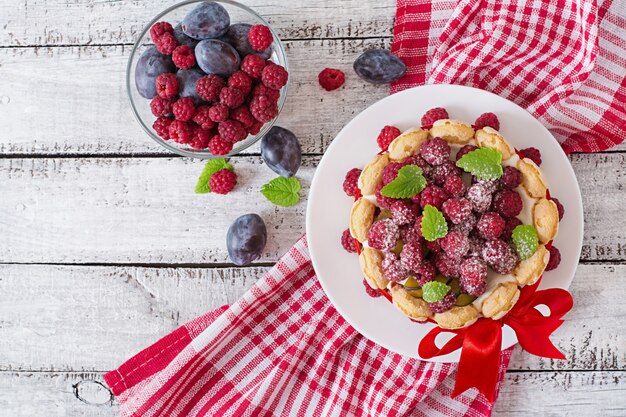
(45, 22)
(549, 394)
(143, 210)
(114, 312)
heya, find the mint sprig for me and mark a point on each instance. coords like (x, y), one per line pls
(211, 167)
(525, 240)
(409, 182)
(434, 291)
(483, 163)
(282, 191)
(434, 225)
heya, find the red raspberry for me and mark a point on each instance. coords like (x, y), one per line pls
(200, 137)
(487, 119)
(409, 234)
(347, 241)
(219, 146)
(183, 57)
(231, 97)
(261, 90)
(253, 66)
(555, 259)
(500, 256)
(274, 76)
(242, 115)
(162, 126)
(434, 246)
(473, 279)
(350, 182)
(454, 186)
(509, 225)
(434, 196)
(559, 207)
(411, 256)
(402, 212)
(386, 136)
(393, 269)
(383, 235)
(490, 186)
(180, 131)
(371, 291)
(432, 115)
(416, 199)
(465, 150)
(384, 202)
(208, 87)
(457, 210)
(166, 43)
(435, 151)
(255, 128)
(160, 106)
(490, 225)
(447, 265)
(241, 81)
(533, 154)
(223, 181)
(331, 79)
(260, 37)
(443, 171)
(263, 109)
(390, 172)
(476, 246)
(167, 85)
(511, 177)
(467, 225)
(184, 109)
(455, 244)
(231, 131)
(480, 197)
(508, 203)
(202, 117)
(158, 29)
(219, 113)
(443, 305)
(426, 272)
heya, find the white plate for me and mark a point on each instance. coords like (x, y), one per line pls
(328, 208)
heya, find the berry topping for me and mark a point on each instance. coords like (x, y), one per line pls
(409, 234)
(253, 66)
(559, 207)
(443, 305)
(232, 131)
(383, 235)
(231, 97)
(435, 151)
(433, 196)
(331, 79)
(351, 182)
(511, 177)
(448, 265)
(487, 119)
(467, 225)
(223, 181)
(457, 210)
(390, 172)
(393, 269)
(183, 109)
(241, 81)
(218, 113)
(386, 136)
(260, 37)
(348, 242)
(166, 43)
(371, 291)
(219, 146)
(454, 186)
(508, 203)
(473, 276)
(162, 126)
(533, 154)
(208, 87)
(432, 115)
(440, 173)
(202, 117)
(158, 29)
(434, 246)
(465, 150)
(242, 115)
(510, 225)
(426, 272)
(160, 106)
(480, 197)
(411, 256)
(180, 131)
(455, 244)
(167, 85)
(555, 259)
(274, 76)
(263, 109)
(383, 202)
(490, 225)
(403, 213)
(475, 246)
(183, 57)
(499, 255)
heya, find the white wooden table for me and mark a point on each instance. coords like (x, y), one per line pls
(104, 247)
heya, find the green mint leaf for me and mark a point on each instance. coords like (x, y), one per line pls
(434, 291)
(282, 191)
(483, 163)
(525, 240)
(211, 167)
(407, 184)
(434, 225)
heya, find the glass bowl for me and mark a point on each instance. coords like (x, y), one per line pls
(141, 106)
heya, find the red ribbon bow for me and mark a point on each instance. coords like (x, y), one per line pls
(481, 342)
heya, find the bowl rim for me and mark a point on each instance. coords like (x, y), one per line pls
(203, 153)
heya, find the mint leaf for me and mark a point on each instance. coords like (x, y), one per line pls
(407, 184)
(434, 291)
(434, 225)
(282, 191)
(525, 240)
(211, 167)
(483, 163)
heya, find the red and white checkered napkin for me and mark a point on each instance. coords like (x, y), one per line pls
(563, 60)
(283, 350)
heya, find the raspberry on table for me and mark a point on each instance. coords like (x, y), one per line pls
(219, 146)
(255, 128)
(260, 37)
(390, 172)
(253, 66)
(508, 203)
(202, 117)
(218, 113)
(490, 225)
(167, 85)
(351, 181)
(383, 201)
(393, 268)
(242, 115)
(403, 213)
(480, 197)
(158, 29)
(457, 210)
(383, 235)
(223, 181)
(241, 81)
(208, 87)
(263, 109)
(499, 255)
(555, 259)
(331, 79)
(509, 225)
(559, 207)
(184, 109)
(231, 131)
(348, 242)
(200, 137)
(426, 272)
(434, 196)
(432, 115)
(231, 97)
(454, 186)
(160, 106)
(386, 136)
(261, 90)
(435, 151)
(487, 119)
(465, 150)
(473, 280)
(274, 76)
(411, 255)
(455, 244)
(511, 177)
(166, 43)
(371, 291)
(533, 154)
(447, 265)
(183, 57)
(443, 305)
(439, 173)
(162, 126)
(180, 131)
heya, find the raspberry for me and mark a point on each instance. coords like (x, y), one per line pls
(208, 87)
(434, 196)
(348, 242)
(533, 154)
(393, 269)
(416, 199)
(219, 146)
(242, 115)
(511, 177)
(371, 291)
(418, 227)
(166, 43)
(241, 81)
(263, 109)
(490, 225)
(432, 115)
(253, 66)
(158, 29)
(223, 181)
(390, 172)
(457, 210)
(167, 85)
(455, 244)
(508, 203)
(231, 97)
(426, 272)
(183, 109)
(411, 256)
(183, 57)
(350, 182)
(409, 234)
(203, 118)
(443, 305)
(162, 126)
(555, 259)
(465, 150)
(453, 185)
(331, 79)
(487, 119)
(447, 265)
(499, 255)
(434, 246)
(383, 202)
(443, 171)
(475, 246)
(435, 151)
(200, 137)
(274, 76)
(255, 128)
(383, 235)
(180, 131)
(509, 225)
(403, 213)
(261, 90)
(232, 131)
(467, 225)
(480, 197)
(218, 113)
(559, 207)
(160, 106)
(386, 136)
(473, 279)
(260, 37)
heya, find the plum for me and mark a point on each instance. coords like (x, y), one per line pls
(246, 239)
(150, 65)
(379, 66)
(207, 20)
(187, 79)
(281, 151)
(217, 57)
(184, 39)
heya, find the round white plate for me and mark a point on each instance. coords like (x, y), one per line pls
(328, 208)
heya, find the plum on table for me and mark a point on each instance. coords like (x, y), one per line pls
(379, 66)
(246, 239)
(281, 151)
